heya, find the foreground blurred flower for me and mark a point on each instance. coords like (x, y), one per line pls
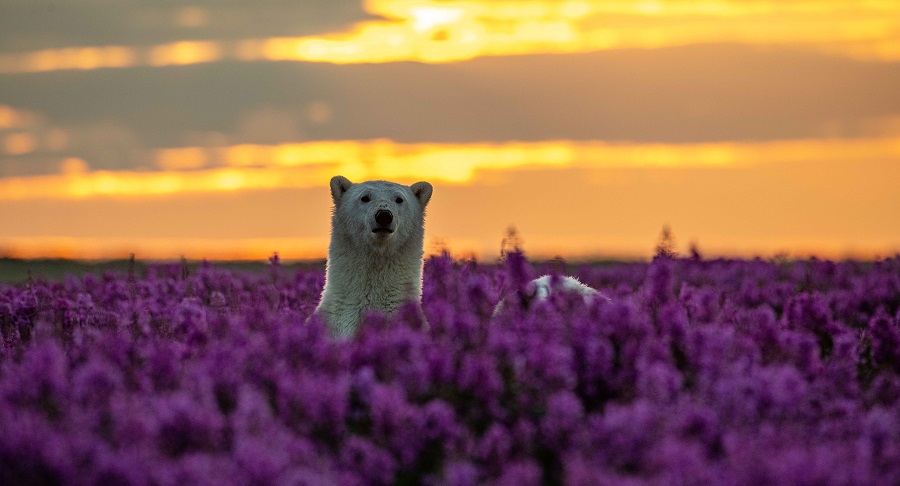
(695, 372)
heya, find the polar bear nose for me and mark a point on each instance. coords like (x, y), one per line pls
(384, 218)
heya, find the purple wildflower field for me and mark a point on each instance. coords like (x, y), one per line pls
(695, 372)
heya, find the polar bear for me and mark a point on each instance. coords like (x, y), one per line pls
(376, 250)
(541, 288)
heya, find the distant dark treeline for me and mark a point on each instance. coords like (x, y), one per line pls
(15, 270)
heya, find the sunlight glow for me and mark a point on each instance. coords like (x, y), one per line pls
(77, 58)
(312, 164)
(428, 17)
(448, 31)
(445, 31)
(185, 52)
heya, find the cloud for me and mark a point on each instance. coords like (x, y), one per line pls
(20, 143)
(15, 118)
(452, 31)
(28, 25)
(269, 125)
(106, 145)
(118, 119)
(248, 167)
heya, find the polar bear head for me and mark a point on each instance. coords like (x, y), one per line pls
(379, 216)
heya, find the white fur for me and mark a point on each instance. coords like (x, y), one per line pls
(369, 270)
(541, 288)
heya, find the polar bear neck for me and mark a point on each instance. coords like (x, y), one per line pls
(371, 279)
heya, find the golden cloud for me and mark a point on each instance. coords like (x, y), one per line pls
(448, 31)
(312, 164)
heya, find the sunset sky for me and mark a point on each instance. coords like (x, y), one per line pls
(210, 129)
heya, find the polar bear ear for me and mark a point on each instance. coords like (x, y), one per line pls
(339, 185)
(422, 191)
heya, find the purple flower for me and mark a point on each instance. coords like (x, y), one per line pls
(314, 405)
(396, 423)
(118, 467)
(659, 382)
(40, 382)
(95, 382)
(564, 417)
(370, 462)
(885, 332)
(495, 446)
(660, 283)
(478, 376)
(460, 473)
(697, 372)
(185, 426)
(520, 473)
(625, 434)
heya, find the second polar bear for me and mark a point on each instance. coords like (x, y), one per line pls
(376, 250)
(541, 288)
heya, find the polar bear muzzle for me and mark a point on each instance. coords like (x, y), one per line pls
(383, 220)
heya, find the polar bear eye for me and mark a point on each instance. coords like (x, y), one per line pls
(399, 200)
(365, 199)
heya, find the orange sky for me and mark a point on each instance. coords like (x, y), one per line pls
(748, 127)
